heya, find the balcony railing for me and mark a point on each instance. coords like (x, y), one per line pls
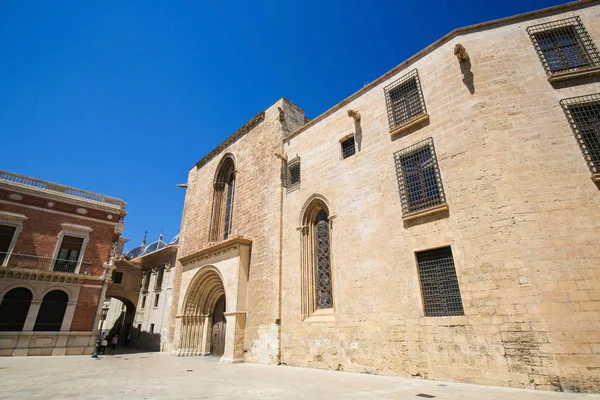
(45, 263)
(55, 187)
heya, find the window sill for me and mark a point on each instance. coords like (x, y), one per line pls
(580, 73)
(326, 315)
(596, 177)
(410, 123)
(449, 321)
(427, 211)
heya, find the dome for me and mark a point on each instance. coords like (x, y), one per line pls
(175, 240)
(135, 252)
(159, 244)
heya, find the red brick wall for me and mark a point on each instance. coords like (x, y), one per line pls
(85, 311)
(40, 235)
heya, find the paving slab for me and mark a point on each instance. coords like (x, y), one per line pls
(161, 376)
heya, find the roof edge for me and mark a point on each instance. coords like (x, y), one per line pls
(456, 32)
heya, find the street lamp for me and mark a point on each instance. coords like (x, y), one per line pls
(102, 318)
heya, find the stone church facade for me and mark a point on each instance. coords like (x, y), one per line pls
(441, 222)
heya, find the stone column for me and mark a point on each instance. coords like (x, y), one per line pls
(206, 333)
(68, 318)
(32, 314)
(234, 337)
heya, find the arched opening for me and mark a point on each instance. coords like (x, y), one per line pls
(52, 311)
(317, 275)
(203, 322)
(119, 320)
(14, 309)
(223, 198)
(217, 344)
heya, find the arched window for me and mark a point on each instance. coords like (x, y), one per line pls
(52, 311)
(317, 276)
(222, 211)
(14, 309)
(323, 261)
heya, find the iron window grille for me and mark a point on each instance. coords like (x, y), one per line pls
(146, 284)
(348, 147)
(292, 174)
(418, 174)
(404, 99)
(117, 277)
(439, 284)
(583, 114)
(564, 45)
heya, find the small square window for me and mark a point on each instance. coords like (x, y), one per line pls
(564, 45)
(348, 147)
(583, 114)
(404, 100)
(418, 177)
(117, 277)
(439, 284)
(292, 174)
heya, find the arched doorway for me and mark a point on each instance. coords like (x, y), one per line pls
(217, 343)
(203, 322)
(52, 311)
(14, 309)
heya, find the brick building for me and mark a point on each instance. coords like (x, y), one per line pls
(55, 242)
(441, 222)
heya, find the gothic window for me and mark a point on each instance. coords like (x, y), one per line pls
(14, 309)
(223, 200)
(322, 261)
(52, 311)
(317, 272)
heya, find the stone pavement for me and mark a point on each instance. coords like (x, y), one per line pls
(160, 376)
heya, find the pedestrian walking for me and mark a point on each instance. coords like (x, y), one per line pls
(113, 344)
(103, 344)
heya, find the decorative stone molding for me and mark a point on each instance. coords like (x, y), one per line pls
(409, 124)
(216, 249)
(12, 218)
(45, 276)
(69, 228)
(428, 211)
(460, 53)
(281, 114)
(579, 73)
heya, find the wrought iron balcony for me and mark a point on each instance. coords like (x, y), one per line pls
(17, 260)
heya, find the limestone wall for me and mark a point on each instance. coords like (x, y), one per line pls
(523, 225)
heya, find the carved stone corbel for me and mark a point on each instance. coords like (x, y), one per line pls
(281, 114)
(354, 114)
(461, 53)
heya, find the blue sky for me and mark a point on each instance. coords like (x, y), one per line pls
(123, 97)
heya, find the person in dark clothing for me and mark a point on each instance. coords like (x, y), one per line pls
(113, 344)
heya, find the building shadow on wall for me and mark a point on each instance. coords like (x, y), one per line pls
(468, 77)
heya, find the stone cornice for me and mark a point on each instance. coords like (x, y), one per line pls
(214, 250)
(45, 276)
(455, 33)
(258, 118)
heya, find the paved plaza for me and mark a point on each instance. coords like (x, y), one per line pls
(160, 376)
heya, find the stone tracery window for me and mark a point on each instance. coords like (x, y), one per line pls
(317, 272)
(223, 200)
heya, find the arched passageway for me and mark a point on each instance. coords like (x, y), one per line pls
(14, 308)
(52, 311)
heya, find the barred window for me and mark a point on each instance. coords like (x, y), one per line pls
(146, 281)
(564, 45)
(583, 114)
(322, 261)
(418, 177)
(439, 284)
(404, 100)
(160, 273)
(292, 174)
(348, 147)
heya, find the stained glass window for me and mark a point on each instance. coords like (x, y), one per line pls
(323, 262)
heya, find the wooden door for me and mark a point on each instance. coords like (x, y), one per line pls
(217, 342)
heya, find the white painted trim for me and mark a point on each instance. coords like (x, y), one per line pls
(15, 220)
(113, 223)
(73, 230)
